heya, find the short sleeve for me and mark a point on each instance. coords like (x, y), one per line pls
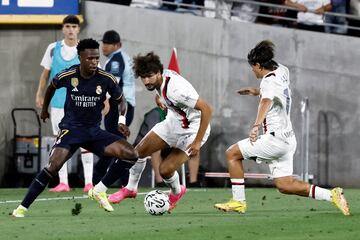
(266, 88)
(47, 58)
(58, 83)
(114, 89)
(184, 93)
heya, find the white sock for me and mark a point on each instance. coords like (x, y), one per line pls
(319, 193)
(238, 189)
(22, 207)
(100, 187)
(135, 174)
(87, 159)
(63, 174)
(173, 183)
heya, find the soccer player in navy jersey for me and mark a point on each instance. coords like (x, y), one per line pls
(86, 86)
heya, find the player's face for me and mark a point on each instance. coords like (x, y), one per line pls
(71, 31)
(89, 60)
(257, 70)
(152, 81)
(108, 49)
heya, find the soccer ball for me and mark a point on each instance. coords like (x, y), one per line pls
(156, 202)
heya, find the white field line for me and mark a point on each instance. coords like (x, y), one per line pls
(80, 197)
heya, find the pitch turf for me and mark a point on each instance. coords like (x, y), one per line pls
(270, 216)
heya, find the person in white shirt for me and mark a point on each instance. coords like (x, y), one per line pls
(185, 128)
(277, 145)
(311, 13)
(59, 56)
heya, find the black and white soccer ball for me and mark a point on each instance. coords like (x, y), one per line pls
(156, 202)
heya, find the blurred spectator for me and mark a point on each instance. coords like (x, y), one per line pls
(231, 10)
(275, 12)
(338, 6)
(311, 13)
(169, 7)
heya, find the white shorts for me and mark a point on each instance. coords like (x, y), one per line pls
(175, 136)
(277, 151)
(56, 115)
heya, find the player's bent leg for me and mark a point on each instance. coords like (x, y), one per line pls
(234, 159)
(290, 185)
(170, 176)
(121, 149)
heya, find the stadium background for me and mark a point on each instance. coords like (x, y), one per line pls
(212, 55)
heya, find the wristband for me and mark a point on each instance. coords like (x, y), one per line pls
(122, 120)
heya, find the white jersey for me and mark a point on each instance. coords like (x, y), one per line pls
(67, 53)
(180, 98)
(275, 86)
(312, 5)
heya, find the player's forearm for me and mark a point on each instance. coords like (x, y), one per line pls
(263, 109)
(42, 84)
(122, 105)
(48, 96)
(206, 113)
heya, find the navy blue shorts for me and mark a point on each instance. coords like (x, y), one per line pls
(92, 139)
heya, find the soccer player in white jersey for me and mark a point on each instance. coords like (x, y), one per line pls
(277, 145)
(185, 128)
(59, 56)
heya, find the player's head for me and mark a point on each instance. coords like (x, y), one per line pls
(261, 57)
(111, 42)
(88, 51)
(149, 69)
(71, 27)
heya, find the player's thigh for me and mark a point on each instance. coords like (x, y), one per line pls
(151, 143)
(58, 157)
(173, 162)
(121, 149)
(234, 152)
(56, 115)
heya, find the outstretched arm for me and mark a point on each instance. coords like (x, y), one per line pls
(48, 96)
(251, 91)
(122, 120)
(206, 112)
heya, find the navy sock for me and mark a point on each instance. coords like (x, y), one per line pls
(36, 187)
(118, 169)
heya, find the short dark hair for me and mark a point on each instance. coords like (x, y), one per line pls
(263, 53)
(88, 43)
(147, 64)
(72, 19)
(111, 37)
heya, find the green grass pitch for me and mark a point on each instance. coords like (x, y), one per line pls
(270, 216)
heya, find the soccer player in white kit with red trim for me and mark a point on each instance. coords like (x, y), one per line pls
(186, 127)
(277, 145)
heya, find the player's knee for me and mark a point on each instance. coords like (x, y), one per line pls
(284, 188)
(165, 171)
(54, 166)
(231, 154)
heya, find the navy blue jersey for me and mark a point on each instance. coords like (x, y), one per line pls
(85, 97)
(116, 66)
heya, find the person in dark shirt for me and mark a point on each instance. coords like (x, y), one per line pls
(86, 86)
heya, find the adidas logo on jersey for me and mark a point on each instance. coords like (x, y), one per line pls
(75, 89)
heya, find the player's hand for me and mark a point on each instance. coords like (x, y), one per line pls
(302, 8)
(248, 91)
(253, 134)
(39, 101)
(193, 149)
(159, 103)
(320, 11)
(44, 115)
(124, 130)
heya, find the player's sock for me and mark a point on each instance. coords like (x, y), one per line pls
(319, 193)
(135, 174)
(174, 183)
(238, 189)
(114, 172)
(87, 159)
(100, 187)
(63, 174)
(36, 187)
